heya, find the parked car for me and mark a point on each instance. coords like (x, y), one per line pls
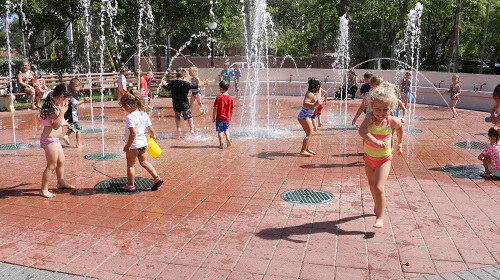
(472, 66)
(496, 68)
(247, 65)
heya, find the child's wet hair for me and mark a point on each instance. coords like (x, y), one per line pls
(193, 70)
(132, 97)
(376, 80)
(75, 82)
(385, 92)
(493, 132)
(496, 91)
(313, 83)
(368, 75)
(49, 106)
(180, 73)
(224, 85)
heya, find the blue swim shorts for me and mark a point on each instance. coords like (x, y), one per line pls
(221, 126)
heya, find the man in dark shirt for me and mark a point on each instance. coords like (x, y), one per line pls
(179, 88)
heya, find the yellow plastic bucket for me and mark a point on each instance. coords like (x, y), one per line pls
(153, 149)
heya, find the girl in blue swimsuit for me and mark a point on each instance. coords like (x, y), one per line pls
(307, 111)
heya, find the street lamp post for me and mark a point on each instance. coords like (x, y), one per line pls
(212, 26)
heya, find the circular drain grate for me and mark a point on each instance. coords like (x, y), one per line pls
(91, 131)
(464, 171)
(88, 118)
(17, 146)
(346, 126)
(101, 156)
(307, 196)
(416, 118)
(412, 130)
(114, 185)
(471, 145)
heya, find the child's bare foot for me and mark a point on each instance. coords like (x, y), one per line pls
(485, 175)
(315, 129)
(379, 223)
(65, 186)
(79, 145)
(46, 193)
(311, 152)
(66, 140)
(221, 146)
(228, 143)
(179, 132)
(305, 154)
(320, 124)
(192, 131)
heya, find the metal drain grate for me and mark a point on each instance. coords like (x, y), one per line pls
(17, 146)
(346, 126)
(416, 118)
(464, 171)
(114, 185)
(101, 156)
(91, 131)
(471, 145)
(307, 196)
(296, 107)
(88, 118)
(412, 130)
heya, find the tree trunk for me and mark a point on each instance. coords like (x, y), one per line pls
(343, 7)
(320, 41)
(457, 36)
(158, 47)
(485, 32)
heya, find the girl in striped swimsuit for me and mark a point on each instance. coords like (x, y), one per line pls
(376, 131)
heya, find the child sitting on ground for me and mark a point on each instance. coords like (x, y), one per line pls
(490, 156)
(222, 112)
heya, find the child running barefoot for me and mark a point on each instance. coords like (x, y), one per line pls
(454, 92)
(311, 99)
(137, 123)
(376, 131)
(52, 116)
(490, 156)
(223, 110)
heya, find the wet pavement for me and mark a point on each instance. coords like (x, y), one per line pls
(219, 214)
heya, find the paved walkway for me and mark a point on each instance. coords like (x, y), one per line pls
(220, 215)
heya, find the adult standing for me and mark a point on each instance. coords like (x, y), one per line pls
(26, 79)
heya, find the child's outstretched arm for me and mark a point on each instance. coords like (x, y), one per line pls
(58, 120)
(397, 125)
(481, 157)
(130, 139)
(402, 109)
(214, 114)
(362, 106)
(151, 131)
(493, 118)
(363, 131)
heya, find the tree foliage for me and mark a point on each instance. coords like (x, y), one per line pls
(300, 28)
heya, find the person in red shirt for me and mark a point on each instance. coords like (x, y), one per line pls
(223, 110)
(144, 87)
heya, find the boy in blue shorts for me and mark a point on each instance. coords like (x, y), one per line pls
(223, 110)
